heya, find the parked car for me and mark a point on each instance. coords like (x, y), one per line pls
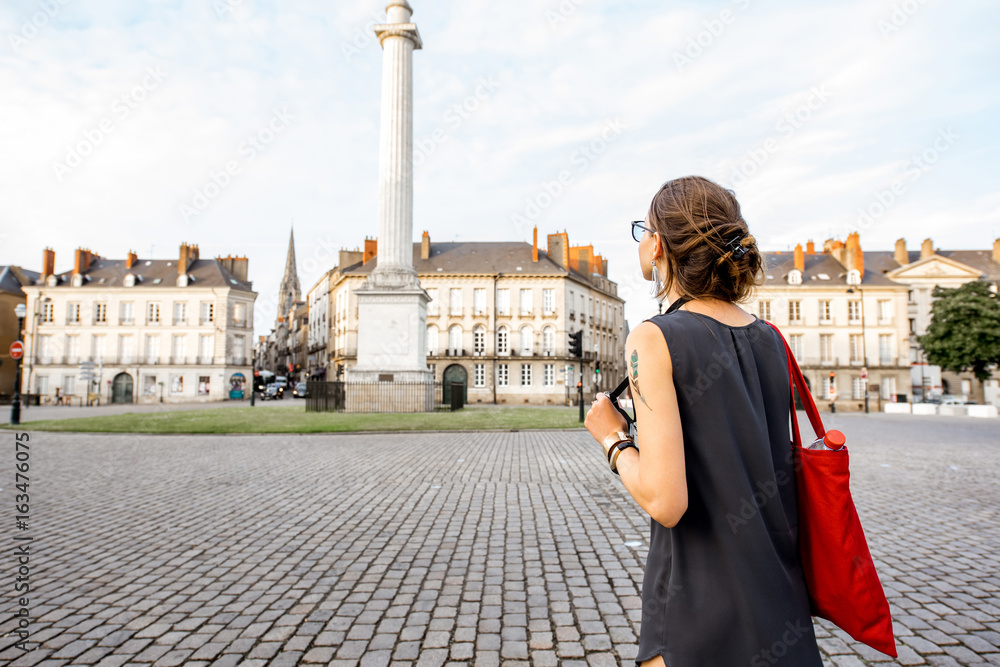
(300, 390)
(281, 381)
(952, 400)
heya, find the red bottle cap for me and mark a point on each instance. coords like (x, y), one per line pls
(834, 439)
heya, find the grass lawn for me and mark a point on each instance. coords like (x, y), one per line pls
(272, 419)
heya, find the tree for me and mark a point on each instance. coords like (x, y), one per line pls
(964, 334)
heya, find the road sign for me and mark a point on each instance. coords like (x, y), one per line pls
(16, 349)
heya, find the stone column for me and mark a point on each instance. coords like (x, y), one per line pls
(392, 307)
(399, 38)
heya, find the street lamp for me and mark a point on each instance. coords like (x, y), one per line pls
(15, 407)
(864, 344)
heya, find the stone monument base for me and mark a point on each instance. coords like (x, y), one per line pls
(389, 391)
(391, 374)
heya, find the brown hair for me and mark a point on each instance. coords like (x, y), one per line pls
(701, 226)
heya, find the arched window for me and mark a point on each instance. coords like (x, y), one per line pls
(455, 340)
(527, 342)
(853, 277)
(794, 277)
(479, 340)
(503, 340)
(432, 341)
(549, 341)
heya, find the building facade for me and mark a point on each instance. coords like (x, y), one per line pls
(499, 318)
(11, 296)
(852, 318)
(155, 330)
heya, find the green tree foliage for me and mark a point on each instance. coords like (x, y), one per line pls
(964, 333)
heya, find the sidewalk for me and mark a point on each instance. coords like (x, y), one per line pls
(41, 412)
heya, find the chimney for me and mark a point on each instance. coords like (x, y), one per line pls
(182, 261)
(534, 245)
(349, 258)
(926, 249)
(810, 248)
(835, 248)
(130, 259)
(48, 263)
(800, 258)
(192, 254)
(371, 250)
(901, 255)
(996, 251)
(81, 262)
(853, 256)
(425, 246)
(241, 268)
(558, 249)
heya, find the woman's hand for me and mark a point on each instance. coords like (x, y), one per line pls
(603, 420)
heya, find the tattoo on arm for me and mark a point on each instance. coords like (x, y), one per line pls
(635, 376)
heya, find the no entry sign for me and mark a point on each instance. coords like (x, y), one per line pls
(16, 349)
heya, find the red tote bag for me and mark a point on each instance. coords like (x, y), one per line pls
(843, 585)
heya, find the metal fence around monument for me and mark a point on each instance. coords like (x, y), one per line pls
(322, 396)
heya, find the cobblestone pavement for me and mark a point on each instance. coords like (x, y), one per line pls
(432, 549)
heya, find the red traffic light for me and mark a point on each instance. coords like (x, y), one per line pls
(579, 384)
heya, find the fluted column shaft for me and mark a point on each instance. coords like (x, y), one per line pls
(399, 38)
(395, 190)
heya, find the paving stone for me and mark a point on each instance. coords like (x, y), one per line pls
(506, 562)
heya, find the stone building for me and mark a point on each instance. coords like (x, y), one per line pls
(845, 311)
(11, 296)
(163, 330)
(499, 318)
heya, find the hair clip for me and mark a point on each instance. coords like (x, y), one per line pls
(736, 248)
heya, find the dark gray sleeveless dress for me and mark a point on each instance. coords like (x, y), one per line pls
(724, 587)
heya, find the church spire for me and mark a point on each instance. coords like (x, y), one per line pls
(289, 291)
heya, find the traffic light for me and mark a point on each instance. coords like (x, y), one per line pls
(576, 344)
(597, 367)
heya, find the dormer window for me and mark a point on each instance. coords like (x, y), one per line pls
(853, 277)
(794, 277)
(77, 279)
(53, 281)
(129, 280)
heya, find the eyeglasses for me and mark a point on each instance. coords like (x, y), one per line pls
(637, 225)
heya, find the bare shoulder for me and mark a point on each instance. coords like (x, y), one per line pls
(648, 340)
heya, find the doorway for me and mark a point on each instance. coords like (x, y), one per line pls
(121, 388)
(455, 373)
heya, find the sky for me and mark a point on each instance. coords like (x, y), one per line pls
(141, 125)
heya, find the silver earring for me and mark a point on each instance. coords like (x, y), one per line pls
(657, 282)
